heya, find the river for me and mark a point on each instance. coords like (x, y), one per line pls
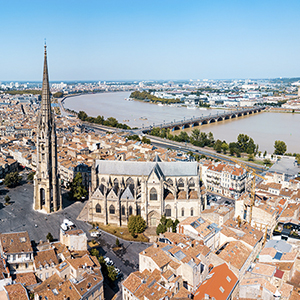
(264, 127)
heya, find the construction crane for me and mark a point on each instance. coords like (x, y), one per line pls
(253, 172)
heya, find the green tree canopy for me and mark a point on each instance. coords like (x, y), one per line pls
(12, 179)
(30, 176)
(136, 224)
(77, 190)
(280, 147)
(58, 94)
(50, 237)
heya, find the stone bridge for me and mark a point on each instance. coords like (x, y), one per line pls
(197, 121)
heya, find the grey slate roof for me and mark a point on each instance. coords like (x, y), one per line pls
(285, 165)
(133, 168)
(127, 194)
(279, 245)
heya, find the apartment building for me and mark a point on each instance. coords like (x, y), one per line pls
(16, 248)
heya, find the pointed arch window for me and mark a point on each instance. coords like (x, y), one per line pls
(98, 208)
(153, 194)
(123, 210)
(182, 212)
(168, 211)
(180, 182)
(170, 181)
(191, 182)
(130, 210)
(138, 210)
(112, 210)
(130, 182)
(192, 212)
(116, 182)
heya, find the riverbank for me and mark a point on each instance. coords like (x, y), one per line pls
(263, 128)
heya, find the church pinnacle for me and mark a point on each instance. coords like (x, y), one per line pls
(47, 194)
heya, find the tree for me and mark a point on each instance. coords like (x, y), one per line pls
(117, 242)
(6, 199)
(77, 190)
(136, 224)
(218, 146)
(49, 237)
(30, 176)
(112, 122)
(280, 147)
(82, 115)
(265, 153)
(224, 147)
(160, 229)
(250, 157)
(95, 252)
(195, 134)
(145, 140)
(58, 94)
(12, 179)
(112, 273)
(267, 161)
(169, 224)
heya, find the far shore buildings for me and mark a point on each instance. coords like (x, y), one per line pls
(150, 189)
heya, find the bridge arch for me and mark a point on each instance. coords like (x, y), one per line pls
(227, 117)
(176, 128)
(195, 124)
(233, 116)
(240, 114)
(212, 121)
(204, 122)
(185, 126)
(219, 119)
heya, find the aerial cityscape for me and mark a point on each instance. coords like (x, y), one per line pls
(150, 150)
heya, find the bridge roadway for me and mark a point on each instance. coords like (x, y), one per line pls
(186, 123)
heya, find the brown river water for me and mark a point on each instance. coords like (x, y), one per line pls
(264, 127)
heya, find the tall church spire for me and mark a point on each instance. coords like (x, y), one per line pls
(46, 103)
(47, 193)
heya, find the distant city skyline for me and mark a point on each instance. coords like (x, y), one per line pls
(149, 40)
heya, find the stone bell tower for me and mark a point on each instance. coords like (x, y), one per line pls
(47, 193)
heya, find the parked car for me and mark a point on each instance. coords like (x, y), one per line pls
(95, 233)
(218, 197)
(108, 261)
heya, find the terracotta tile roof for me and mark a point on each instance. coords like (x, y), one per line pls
(263, 269)
(235, 253)
(181, 195)
(16, 292)
(60, 292)
(74, 232)
(286, 290)
(16, 242)
(193, 195)
(219, 284)
(170, 196)
(77, 263)
(157, 254)
(52, 281)
(87, 282)
(245, 232)
(45, 257)
(25, 278)
(258, 281)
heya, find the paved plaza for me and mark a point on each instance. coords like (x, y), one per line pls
(20, 216)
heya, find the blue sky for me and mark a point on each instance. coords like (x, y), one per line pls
(144, 40)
